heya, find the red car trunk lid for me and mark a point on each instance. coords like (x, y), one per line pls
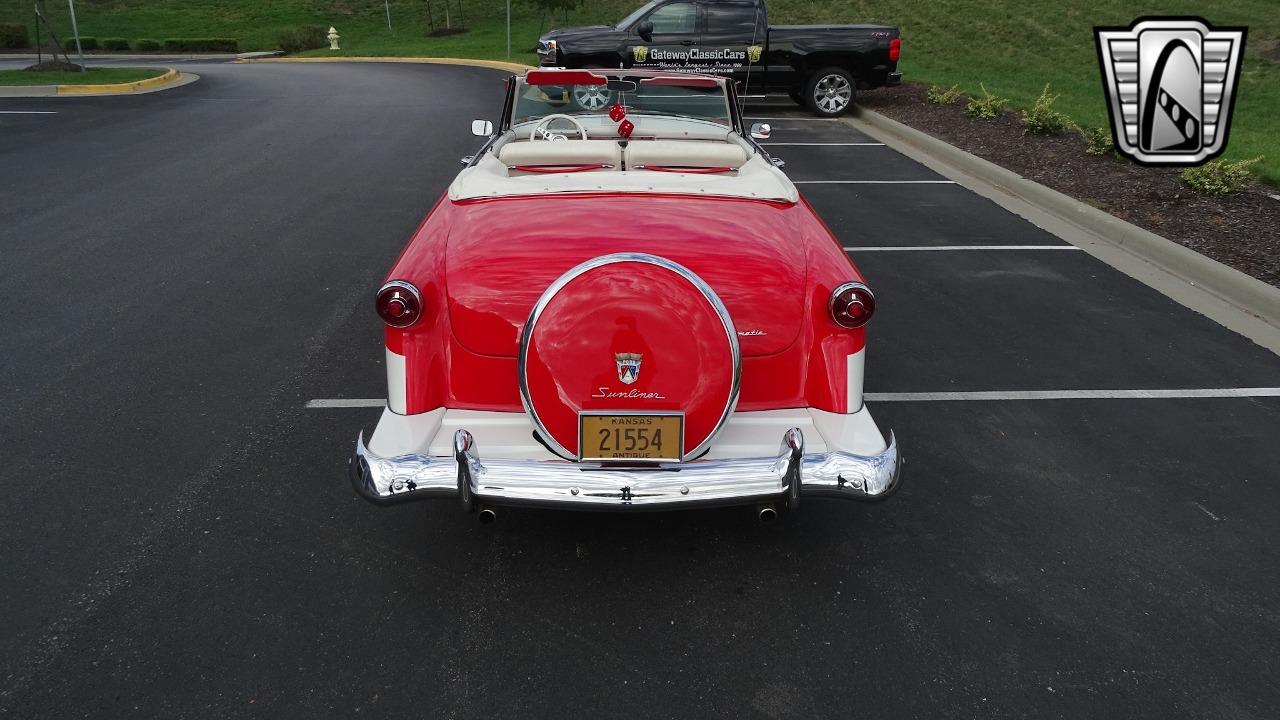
(502, 254)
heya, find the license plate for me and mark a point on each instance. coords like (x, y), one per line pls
(626, 436)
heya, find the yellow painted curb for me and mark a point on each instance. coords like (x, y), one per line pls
(495, 64)
(170, 76)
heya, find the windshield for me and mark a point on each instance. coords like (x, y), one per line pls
(703, 103)
(627, 21)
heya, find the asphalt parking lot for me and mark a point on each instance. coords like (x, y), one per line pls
(183, 271)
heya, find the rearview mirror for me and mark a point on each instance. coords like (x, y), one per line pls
(645, 31)
(760, 131)
(481, 128)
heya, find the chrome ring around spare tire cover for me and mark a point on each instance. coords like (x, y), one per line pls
(547, 295)
(832, 93)
(591, 97)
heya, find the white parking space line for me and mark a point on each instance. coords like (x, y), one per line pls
(28, 112)
(1076, 394)
(930, 248)
(981, 395)
(873, 182)
(345, 403)
(825, 144)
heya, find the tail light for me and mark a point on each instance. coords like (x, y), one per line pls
(852, 305)
(399, 304)
(895, 49)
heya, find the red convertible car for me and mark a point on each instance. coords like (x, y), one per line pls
(623, 305)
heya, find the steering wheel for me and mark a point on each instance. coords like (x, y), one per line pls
(577, 126)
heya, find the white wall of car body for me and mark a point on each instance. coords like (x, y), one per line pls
(509, 435)
(397, 387)
(855, 369)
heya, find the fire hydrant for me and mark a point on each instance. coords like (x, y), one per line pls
(333, 38)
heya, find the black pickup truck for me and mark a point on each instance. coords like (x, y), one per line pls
(819, 66)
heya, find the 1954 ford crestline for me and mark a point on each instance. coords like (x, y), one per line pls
(623, 308)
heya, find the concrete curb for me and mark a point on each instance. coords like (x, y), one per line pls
(171, 76)
(1240, 291)
(495, 64)
(170, 79)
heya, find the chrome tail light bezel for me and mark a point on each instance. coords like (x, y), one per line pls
(838, 306)
(403, 292)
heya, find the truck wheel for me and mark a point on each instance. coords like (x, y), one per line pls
(830, 92)
(592, 97)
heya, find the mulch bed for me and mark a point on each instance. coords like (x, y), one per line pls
(1240, 230)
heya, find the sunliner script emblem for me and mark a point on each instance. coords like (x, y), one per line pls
(633, 394)
(628, 367)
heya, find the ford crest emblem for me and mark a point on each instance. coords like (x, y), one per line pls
(628, 366)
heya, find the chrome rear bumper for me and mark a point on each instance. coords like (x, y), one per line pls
(783, 478)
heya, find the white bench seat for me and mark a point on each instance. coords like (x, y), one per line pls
(545, 153)
(684, 153)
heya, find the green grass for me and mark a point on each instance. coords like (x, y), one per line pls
(1013, 46)
(93, 76)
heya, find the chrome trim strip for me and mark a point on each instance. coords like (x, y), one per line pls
(547, 295)
(782, 478)
(403, 285)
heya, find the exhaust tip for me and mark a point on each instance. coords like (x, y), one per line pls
(766, 514)
(487, 516)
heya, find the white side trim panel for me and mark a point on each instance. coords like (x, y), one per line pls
(396, 389)
(405, 434)
(856, 433)
(855, 368)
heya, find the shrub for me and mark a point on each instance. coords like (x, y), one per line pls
(14, 36)
(117, 44)
(145, 45)
(194, 45)
(304, 37)
(1220, 177)
(86, 43)
(939, 95)
(1042, 119)
(987, 106)
(1097, 141)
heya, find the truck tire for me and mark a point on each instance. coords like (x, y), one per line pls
(830, 92)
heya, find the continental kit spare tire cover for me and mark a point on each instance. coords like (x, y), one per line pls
(631, 333)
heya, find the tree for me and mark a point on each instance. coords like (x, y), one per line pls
(549, 7)
(448, 18)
